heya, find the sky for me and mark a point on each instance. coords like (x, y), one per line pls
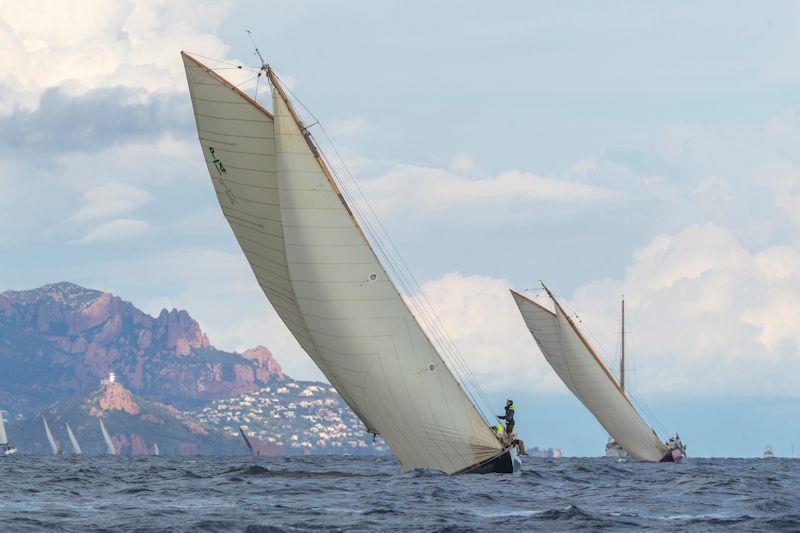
(650, 150)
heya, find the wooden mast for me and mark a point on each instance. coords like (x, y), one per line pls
(622, 351)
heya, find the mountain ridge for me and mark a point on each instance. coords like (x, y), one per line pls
(60, 339)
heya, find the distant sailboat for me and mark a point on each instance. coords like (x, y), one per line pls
(794, 452)
(53, 444)
(249, 444)
(582, 371)
(8, 449)
(613, 448)
(768, 453)
(76, 448)
(155, 449)
(110, 449)
(313, 260)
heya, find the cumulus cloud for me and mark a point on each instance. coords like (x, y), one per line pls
(410, 187)
(94, 44)
(112, 199)
(116, 230)
(94, 120)
(705, 316)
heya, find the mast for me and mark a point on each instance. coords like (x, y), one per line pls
(622, 352)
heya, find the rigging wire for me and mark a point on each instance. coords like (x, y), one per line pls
(632, 395)
(417, 298)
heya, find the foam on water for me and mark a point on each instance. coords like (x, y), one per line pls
(84, 493)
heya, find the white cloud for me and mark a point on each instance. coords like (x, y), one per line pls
(96, 43)
(116, 230)
(705, 316)
(409, 187)
(112, 199)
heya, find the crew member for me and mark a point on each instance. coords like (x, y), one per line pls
(509, 418)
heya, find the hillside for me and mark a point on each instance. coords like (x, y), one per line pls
(134, 424)
(61, 339)
(297, 417)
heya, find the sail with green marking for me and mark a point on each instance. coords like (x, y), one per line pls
(320, 273)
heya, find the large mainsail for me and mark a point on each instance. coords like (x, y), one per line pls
(50, 439)
(76, 448)
(110, 449)
(325, 282)
(156, 451)
(587, 377)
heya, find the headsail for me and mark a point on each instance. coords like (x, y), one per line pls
(110, 449)
(325, 282)
(73, 441)
(53, 444)
(587, 377)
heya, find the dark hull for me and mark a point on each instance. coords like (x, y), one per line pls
(674, 456)
(505, 463)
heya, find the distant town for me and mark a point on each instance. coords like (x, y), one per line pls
(296, 416)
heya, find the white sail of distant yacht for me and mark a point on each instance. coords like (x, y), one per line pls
(53, 444)
(7, 449)
(155, 449)
(582, 371)
(76, 448)
(110, 449)
(320, 273)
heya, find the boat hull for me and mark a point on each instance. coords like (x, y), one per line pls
(507, 462)
(672, 456)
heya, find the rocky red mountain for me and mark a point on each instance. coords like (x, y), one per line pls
(61, 340)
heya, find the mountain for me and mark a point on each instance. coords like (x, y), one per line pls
(61, 339)
(135, 425)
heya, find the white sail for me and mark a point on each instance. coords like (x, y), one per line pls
(589, 380)
(110, 449)
(3, 436)
(325, 282)
(155, 449)
(50, 439)
(76, 448)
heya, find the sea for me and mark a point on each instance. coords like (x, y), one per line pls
(340, 493)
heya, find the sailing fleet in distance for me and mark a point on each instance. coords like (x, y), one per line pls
(323, 261)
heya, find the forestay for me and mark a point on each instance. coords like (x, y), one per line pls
(588, 378)
(325, 282)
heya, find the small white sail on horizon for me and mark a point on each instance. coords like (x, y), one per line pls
(50, 439)
(110, 449)
(320, 273)
(76, 448)
(155, 449)
(3, 435)
(585, 375)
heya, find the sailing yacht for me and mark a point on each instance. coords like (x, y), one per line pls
(582, 371)
(8, 449)
(110, 448)
(312, 259)
(76, 448)
(50, 439)
(249, 444)
(613, 448)
(768, 453)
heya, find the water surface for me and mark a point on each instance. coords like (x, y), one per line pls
(84, 493)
